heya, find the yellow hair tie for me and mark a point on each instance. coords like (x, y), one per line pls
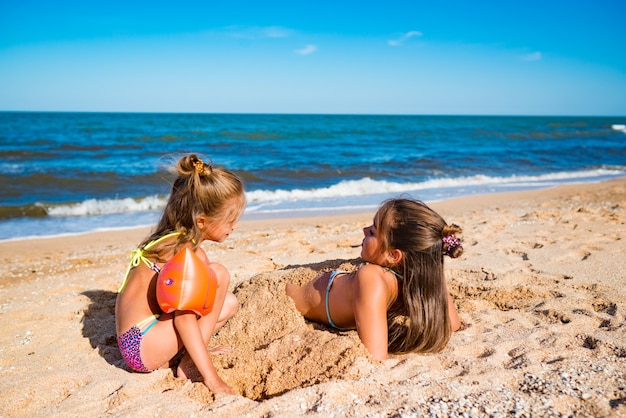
(199, 165)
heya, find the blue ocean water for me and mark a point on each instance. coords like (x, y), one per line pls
(66, 173)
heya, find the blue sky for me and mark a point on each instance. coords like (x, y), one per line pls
(395, 57)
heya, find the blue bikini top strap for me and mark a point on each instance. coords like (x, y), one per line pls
(398, 275)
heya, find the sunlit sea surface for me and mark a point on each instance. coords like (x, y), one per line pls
(65, 173)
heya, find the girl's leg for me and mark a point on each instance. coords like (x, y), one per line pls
(224, 308)
(161, 343)
(230, 308)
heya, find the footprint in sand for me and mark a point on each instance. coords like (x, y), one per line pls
(503, 299)
(553, 316)
(605, 307)
(518, 359)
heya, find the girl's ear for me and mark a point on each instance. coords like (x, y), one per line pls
(395, 256)
(201, 222)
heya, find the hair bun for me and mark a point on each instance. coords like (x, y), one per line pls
(191, 164)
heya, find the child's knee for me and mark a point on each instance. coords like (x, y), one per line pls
(231, 306)
(222, 275)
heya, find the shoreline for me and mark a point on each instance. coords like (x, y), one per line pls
(540, 291)
(286, 214)
(81, 224)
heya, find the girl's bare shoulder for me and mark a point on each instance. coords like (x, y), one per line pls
(368, 270)
(374, 282)
(370, 276)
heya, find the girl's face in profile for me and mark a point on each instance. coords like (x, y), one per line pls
(372, 247)
(226, 221)
(220, 230)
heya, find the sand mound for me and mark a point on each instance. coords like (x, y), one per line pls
(275, 349)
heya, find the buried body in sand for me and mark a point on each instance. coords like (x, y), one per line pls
(399, 291)
(539, 289)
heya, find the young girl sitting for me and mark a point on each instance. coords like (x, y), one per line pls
(398, 300)
(205, 204)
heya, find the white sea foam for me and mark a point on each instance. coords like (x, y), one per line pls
(346, 194)
(368, 186)
(619, 127)
(92, 207)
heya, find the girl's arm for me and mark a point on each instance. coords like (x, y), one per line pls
(187, 327)
(369, 302)
(455, 321)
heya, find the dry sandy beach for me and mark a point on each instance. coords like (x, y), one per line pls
(540, 289)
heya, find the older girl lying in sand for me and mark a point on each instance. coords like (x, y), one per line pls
(398, 301)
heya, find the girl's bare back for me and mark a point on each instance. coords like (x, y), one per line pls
(310, 299)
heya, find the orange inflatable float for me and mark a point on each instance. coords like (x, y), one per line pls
(186, 283)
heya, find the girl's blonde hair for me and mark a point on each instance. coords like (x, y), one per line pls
(419, 319)
(200, 189)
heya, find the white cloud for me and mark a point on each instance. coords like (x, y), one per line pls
(276, 32)
(405, 37)
(307, 50)
(258, 32)
(535, 56)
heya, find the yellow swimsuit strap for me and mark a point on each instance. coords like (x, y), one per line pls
(136, 256)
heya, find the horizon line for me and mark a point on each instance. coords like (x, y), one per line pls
(312, 113)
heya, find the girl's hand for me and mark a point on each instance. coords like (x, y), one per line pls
(455, 321)
(221, 349)
(218, 386)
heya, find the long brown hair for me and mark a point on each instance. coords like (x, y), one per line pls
(419, 320)
(200, 189)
